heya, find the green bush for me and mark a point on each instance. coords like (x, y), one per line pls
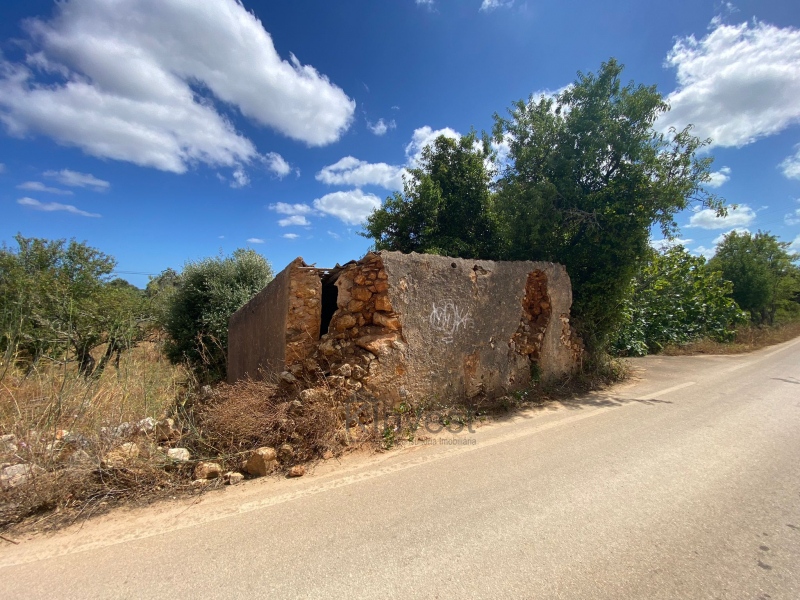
(676, 298)
(207, 293)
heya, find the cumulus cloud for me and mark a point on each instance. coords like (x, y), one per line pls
(54, 206)
(793, 218)
(284, 208)
(291, 236)
(718, 178)
(795, 245)
(130, 78)
(352, 206)
(666, 244)
(381, 127)
(790, 167)
(707, 218)
(293, 220)
(721, 237)
(75, 179)
(240, 178)
(424, 136)
(276, 163)
(736, 84)
(38, 186)
(351, 171)
(255, 241)
(708, 253)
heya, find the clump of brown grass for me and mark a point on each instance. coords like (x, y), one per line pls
(747, 339)
(249, 414)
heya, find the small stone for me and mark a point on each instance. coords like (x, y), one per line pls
(345, 322)
(179, 454)
(361, 293)
(336, 381)
(206, 392)
(207, 470)
(386, 321)
(377, 344)
(345, 370)
(8, 444)
(199, 483)
(79, 457)
(355, 306)
(382, 303)
(287, 377)
(261, 461)
(15, 475)
(233, 478)
(122, 455)
(285, 453)
(381, 285)
(327, 455)
(297, 471)
(295, 406)
(146, 425)
(167, 430)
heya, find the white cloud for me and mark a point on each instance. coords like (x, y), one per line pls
(721, 237)
(795, 245)
(293, 220)
(427, 3)
(792, 218)
(276, 163)
(352, 206)
(395, 108)
(291, 236)
(240, 178)
(790, 167)
(221, 237)
(666, 244)
(720, 177)
(334, 235)
(707, 252)
(737, 217)
(490, 5)
(54, 206)
(38, 186)
(129, 78)
(351, 171)
(291, 209)
(2, 168)
(381, 127)
(424, 136)
(736, 84)
(255, 241)
(75, 179)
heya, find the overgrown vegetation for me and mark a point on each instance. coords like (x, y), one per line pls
(676, 298)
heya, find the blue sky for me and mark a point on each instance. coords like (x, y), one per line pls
(166, 130)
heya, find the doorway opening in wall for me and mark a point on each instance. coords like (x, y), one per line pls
(330, 294)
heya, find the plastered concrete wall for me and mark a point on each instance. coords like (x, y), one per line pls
(260, 331)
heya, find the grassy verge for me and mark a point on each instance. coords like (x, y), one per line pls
(747, 339)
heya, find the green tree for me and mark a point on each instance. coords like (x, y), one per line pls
(676, 298)
(588, 177)
(761, 270)
(59, 298)
(445, 207)
(208, 292)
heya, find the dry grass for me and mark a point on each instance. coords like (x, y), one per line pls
(747, 339)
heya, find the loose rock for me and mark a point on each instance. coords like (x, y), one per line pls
(233, 478)
(179, 454)
(285, 453)
(262, 461)
(167, 430)
(207, 470)
(297, 471)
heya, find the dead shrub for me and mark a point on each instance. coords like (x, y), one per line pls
(249, 414)
(747, 339)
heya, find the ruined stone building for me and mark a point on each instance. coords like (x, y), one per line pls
(411, 326)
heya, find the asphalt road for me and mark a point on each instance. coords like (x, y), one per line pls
(682, 484)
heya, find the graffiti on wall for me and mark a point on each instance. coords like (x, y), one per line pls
(448, 319)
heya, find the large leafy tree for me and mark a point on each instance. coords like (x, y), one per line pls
(205, 295)
(587, 179)
(59, 300)
(764, 278)
(676, 298)
(445, 207)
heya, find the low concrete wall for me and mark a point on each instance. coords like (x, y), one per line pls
(257, 331)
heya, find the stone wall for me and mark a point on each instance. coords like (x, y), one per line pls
(421, 327)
